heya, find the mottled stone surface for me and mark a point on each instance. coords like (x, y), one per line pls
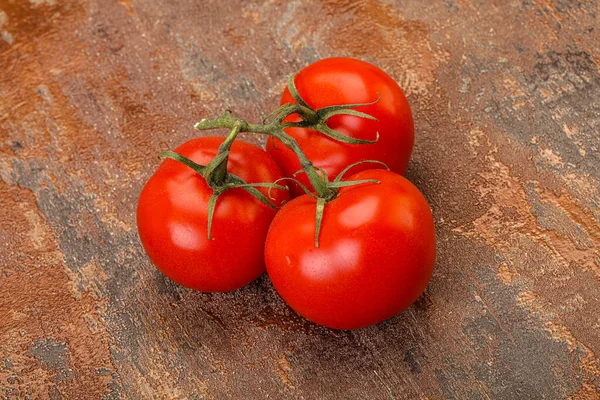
(506, 98)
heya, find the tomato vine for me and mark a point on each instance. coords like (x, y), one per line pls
(217, 177)
(350, 251)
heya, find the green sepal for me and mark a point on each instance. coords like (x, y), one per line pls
(233, 182)
(349, 167)
(354, 113)
(319, 219)
(322, 179)
(296, 124)
(324, 175)
(237, 182)
(294, 92)
(184, 160)
(344, 109)
(302, 186)
(260, 184)
(351, 183)
(212, 202)
(215, 163)
(276, 112)
(259, 196)
(330, 109)
(340, 137)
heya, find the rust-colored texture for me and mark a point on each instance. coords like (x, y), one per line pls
(506, 99)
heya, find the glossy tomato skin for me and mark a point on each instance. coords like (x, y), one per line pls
(172, 218)
(376, 253)
(343, 80)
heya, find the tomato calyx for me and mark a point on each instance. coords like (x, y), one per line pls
(334, 187)
(333, 190)
(317, 119)
(219, 179)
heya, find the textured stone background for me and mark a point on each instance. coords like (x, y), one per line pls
(506, 98)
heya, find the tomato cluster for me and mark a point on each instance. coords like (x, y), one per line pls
(349, 252)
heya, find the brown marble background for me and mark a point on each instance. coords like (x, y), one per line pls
(506, 99)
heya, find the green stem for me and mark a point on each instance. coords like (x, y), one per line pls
(219, 173)
(274, 129)
(218, 178)
(318, 182)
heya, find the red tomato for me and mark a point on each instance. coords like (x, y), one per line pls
(336, 81)
(375, 256)
(172, 218)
